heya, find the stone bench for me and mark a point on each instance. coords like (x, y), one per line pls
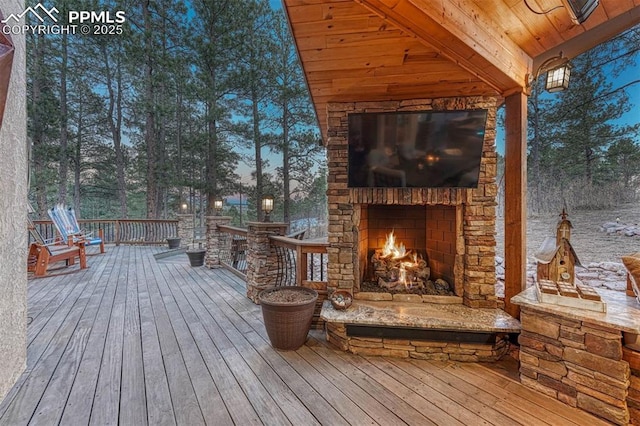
(420, 330)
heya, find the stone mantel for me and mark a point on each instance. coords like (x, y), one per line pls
(623, 312)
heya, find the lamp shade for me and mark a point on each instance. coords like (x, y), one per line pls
(558, 78)
(184, 206)
(217, 204)
(267, 203)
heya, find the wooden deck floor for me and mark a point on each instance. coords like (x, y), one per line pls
(136, 341)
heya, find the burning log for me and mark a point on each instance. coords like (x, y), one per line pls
(396, 268)
(399, 285)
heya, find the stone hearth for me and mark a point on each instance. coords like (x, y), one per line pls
(437, 331)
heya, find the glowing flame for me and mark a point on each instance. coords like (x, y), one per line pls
(396, 250)
(391, 249)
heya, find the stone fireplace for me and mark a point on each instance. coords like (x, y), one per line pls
(453, 229)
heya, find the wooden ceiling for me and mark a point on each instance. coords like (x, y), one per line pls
(375, 50)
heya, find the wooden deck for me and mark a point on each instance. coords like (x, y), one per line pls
(136, 341)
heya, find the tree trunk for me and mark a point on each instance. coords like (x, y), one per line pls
(588, 164)
(78, 159)
(38, 128)
(257, 141)
(535, 151)
(286, 162)
(211, 183)
(120, 166)
(179, 145)
(115, 103)
(64, 160)
(149, 131)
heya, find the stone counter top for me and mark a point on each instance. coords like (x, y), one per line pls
(454, 317)
(623, 312)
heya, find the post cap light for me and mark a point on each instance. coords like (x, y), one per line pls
(184, 206)
(267, 206)
(218, 204)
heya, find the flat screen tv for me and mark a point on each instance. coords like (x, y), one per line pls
(432, 149)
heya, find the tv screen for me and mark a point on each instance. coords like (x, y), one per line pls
(416, 149)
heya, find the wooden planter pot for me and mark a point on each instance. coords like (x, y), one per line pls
(196, 257)
(174, 243)
(287, 314)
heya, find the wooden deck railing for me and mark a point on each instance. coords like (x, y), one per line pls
(301, 262)
(233, 250)
(121, 231)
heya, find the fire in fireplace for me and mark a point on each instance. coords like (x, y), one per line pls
(397, 269)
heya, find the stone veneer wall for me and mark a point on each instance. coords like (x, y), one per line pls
(13, 216)
(262, 260)
(633, 398)
(217, 242)
(186, 224)
(478, 254)
(418, 349)
(576, 362)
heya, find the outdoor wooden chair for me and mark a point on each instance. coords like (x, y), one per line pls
(67, 226)
(43, 253)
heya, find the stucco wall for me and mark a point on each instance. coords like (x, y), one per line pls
(13, 238)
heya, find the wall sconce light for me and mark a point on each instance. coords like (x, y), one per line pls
(217, 205)
(558, 78)
(267, 206)
(558, 71)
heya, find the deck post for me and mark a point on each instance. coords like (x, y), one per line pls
(186, 228)
(515, 204)
(217, 242)
(262, 260)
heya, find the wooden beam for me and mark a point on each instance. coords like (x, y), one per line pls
(593, 37)
(462, 32)
(515, 208)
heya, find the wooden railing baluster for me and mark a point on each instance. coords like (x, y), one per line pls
(121, 231)
(233, 253)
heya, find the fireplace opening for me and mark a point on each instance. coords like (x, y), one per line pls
(407, 249)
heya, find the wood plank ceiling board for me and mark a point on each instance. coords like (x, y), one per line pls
(463, 32)
(373, 50)
(351, 54)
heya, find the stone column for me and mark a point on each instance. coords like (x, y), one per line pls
(186, 223)
(262, 262)
(217, 242)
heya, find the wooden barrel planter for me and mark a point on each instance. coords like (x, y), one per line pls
(287, 313)
(196, 257)
(174, 243)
